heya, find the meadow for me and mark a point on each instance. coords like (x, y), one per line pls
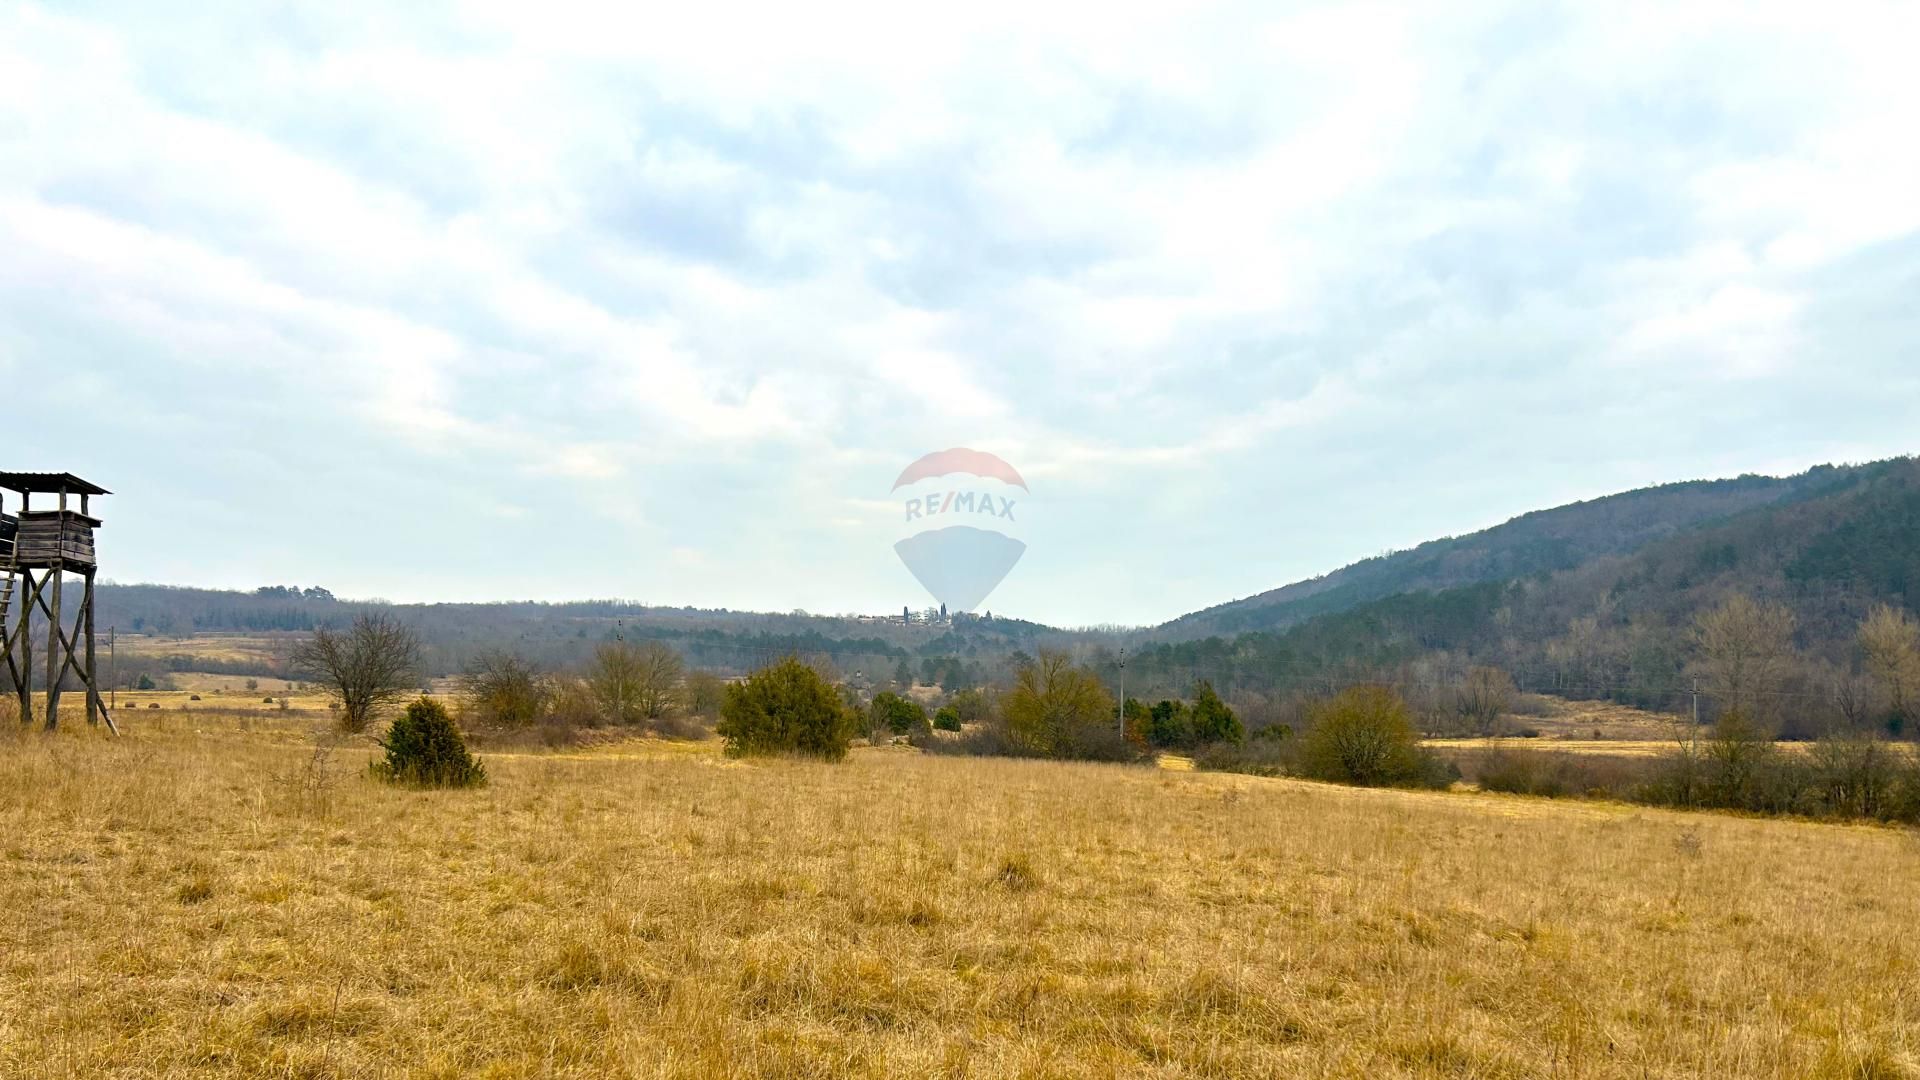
(230, 895)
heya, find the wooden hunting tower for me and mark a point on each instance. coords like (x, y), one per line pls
(38, 549)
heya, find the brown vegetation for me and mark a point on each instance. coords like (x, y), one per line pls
(174, 905)
(371, 665)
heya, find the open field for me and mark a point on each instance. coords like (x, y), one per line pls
(215, 901)
(1632, 748)
(225, 648)
(208, 696)
(1626, 748)
(1595, 721)
(1587, 727)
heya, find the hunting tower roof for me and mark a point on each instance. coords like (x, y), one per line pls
(37, 483)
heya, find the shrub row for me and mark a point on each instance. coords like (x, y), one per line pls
(1364, 735)
(1845, 777)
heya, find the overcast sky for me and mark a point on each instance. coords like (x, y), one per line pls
(508, 300)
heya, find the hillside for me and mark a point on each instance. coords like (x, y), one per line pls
(1544, 541)
(1828, 546)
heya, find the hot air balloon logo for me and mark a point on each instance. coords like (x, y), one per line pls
(961, 520)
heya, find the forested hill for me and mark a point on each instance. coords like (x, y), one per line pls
(1828, 547)
(1544, 541)
(564, 633)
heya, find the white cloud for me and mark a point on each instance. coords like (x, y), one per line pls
(766, 254)
(1735, 332)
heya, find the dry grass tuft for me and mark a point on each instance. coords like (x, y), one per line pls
(184, 901)
(197, 889)
(1017, 874)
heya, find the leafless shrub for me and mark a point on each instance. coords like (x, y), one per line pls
(634, 682)
(503, 689)
(369, 666)
(308, 789)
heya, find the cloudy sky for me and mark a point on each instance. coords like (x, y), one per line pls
(498, 300)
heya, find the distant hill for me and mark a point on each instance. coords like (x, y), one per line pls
(558, 634)
(1541, 542)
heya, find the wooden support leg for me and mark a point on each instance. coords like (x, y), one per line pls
(22, 637)
(56, 669)
(33, 591)
(86, 627)
(94, 700)
(6, 636)
(26, 649)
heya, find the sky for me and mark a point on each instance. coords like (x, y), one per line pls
(490, 300)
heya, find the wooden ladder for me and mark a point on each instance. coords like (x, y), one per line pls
(7, 580)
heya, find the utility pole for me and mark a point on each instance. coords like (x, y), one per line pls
(1696, 701)
(1123, 691)
(113, 666)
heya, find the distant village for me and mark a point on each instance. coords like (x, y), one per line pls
(933, 616)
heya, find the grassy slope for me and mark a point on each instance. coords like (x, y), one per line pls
(168, 905)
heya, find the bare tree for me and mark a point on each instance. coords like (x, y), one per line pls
(1852, 696)
(633, 681)
(1585, 657)
(1746, 648)
(370, 665)
(505, 689)
(1484, 698)
(1891, 641)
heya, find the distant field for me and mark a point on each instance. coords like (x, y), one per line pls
(211, 695)
(1581, 720)
(224, 648)
(1634, 748)
(1617, 747)
(1587, 727)
(212, 899)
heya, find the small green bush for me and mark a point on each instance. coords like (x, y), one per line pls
(947, 719)
(785, 708)
(972, 706)
(900, 715)
(1366, 736)
(424, 747)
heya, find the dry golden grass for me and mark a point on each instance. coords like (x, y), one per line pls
(1626, 748)
(1572, 726)
(1633, 748)
(186, 901)
(226, 648)
(1580, 719)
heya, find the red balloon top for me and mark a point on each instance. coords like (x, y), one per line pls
(960, 460)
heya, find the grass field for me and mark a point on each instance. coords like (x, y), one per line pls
(205, 897)
(1630, 748)
(227, 648)
(1586, 727)
(1596, 720)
